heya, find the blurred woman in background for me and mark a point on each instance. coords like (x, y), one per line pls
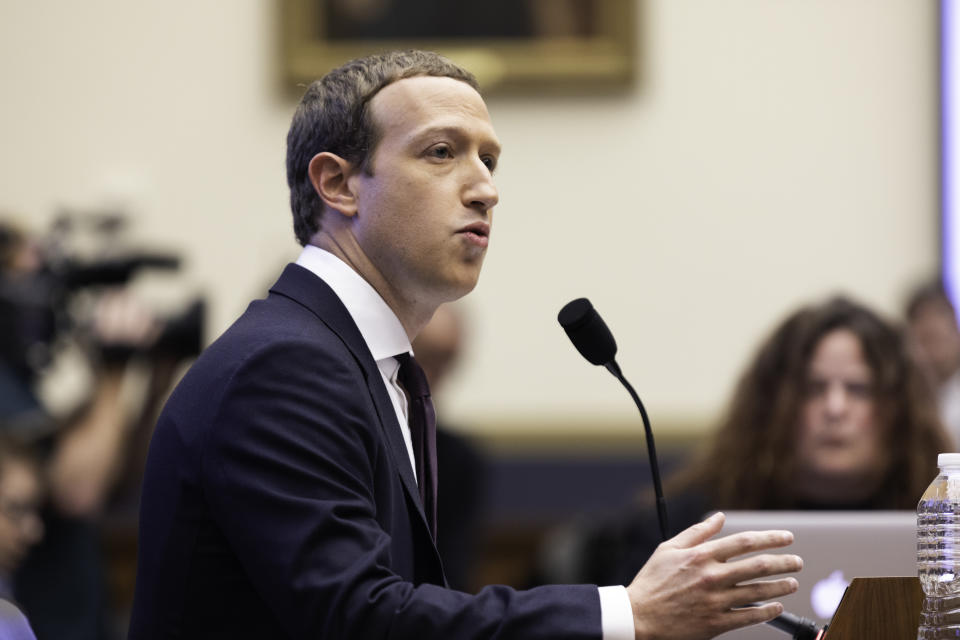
(830, 414)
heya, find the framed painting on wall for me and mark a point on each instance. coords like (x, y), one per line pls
(508, 44)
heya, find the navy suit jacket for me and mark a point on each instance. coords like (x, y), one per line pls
(279, 501)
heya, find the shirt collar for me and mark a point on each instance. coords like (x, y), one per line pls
(378, 324)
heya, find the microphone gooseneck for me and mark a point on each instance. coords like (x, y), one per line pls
(592, 338)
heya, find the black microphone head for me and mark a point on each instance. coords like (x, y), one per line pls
(588, 332)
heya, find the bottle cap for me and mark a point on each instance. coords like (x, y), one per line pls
(948, 460)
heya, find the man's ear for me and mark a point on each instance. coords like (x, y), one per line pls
(328, 174)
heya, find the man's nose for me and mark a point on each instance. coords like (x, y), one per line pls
(481, 192)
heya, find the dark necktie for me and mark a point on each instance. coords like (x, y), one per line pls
(423, 432)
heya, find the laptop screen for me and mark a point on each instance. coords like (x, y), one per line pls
(836, 546)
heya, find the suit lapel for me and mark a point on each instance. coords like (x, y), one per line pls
(302, 286)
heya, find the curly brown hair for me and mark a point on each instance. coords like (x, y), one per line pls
(749, 464)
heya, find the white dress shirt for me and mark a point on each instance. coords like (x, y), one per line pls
(386, 337)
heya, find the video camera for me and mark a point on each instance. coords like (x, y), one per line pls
(38, 293)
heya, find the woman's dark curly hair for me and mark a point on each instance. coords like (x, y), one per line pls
(750, 463)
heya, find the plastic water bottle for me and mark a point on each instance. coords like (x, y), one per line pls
(938, 552)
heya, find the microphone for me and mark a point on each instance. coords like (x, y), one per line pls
(592, 338)
(799, 628)
(588, 331)
(590, 335)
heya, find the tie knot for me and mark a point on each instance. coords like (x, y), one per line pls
(411, 376)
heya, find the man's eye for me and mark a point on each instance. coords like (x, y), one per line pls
(440, 151)
(490, 162)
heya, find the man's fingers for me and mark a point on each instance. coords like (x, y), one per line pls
(120, 320)
(761, 566)
(738, 544)
(751, 615)
(744, 594)
(698, 533)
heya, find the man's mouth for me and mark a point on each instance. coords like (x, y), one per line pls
(478, 233)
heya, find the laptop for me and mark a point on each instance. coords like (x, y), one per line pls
(836, 546)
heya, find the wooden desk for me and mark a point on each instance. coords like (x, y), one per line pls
(879, 609)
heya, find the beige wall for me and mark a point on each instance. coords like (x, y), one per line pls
(776, 151)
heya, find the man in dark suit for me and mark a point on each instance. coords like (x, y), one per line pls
(285, 486)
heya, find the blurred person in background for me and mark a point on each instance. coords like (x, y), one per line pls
(88, 450)
(934, 340)
(830, 414)
(21, 495)
(461, 465)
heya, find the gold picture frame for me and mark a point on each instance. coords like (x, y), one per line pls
(572, 45)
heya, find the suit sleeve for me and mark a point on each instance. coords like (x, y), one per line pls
(289, 469)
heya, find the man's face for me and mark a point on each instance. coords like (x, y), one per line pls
(424, 212)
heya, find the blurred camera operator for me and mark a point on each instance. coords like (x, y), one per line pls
(85, 448)
(94, 451)
(87, 456)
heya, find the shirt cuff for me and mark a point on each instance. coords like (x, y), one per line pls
(616, 614)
